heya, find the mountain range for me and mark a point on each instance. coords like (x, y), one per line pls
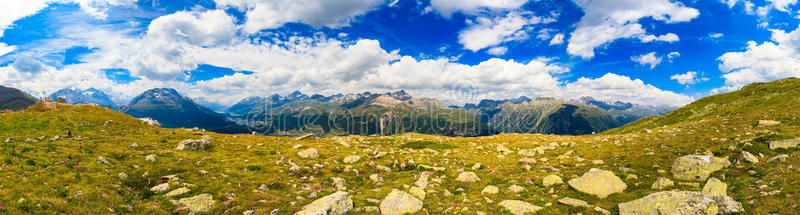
(87, 96)
(14, 99)
(366, 113)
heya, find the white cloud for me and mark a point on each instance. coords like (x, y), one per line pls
(5, 49)
(714, 35)
(688, 78)
(613, 87)
(14, 10)
(649, 58)
(447, 7)
(558, 39)
(608, 20)
(672, 55)
(768, 61)
(491, 31)
(268, 14)
(763, 10)
(497, 50)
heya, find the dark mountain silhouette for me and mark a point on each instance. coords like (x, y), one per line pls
(174, 111)
(14, 99)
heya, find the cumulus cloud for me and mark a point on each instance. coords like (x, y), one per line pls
(767, 61)
(268, 14)
(5, 49)
(447, 7)
(613, 87)
(688, 78)
(649, 58)
(608, 20)
(558, 39)
(491, 31)
(763, 10)
(497, 50)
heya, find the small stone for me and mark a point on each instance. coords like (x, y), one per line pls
(417, 192)
(200, 203)
(784, 144)
(132, 145)
(490, 189)
(160, 188)
(122, 175)
(602, 211)
(749, 157)
(339, 183)
(551, 180)
(151, 158)
(399, 202)
(573, 202)
(517, 207)
(249, 212)
(778, 158)
(662, 184)
(527, 161)
(516, 188)
(422, 180)
(337, 203)
(351, 159)
(715, 187)
(177, 192)
(467, 177)
(598, 162)
(102, 160)
(477, 166)
(767, 123)
(697, 167)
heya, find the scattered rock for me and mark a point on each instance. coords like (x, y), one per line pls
(490, 189)
(160, 188)
(573, 202)
(195, 145)
(598, 162)
(527, 161)
(767, 123)
(151, 158)
(670, 202)
(422, 180)
(778, 158)
(467, 177)
(122, 175)
(697, 167)
(200, 203)
(715, 187)
(749, 157)
(304, 137)
(334, 204)
(601, 183)
(727, 205)
(399, 202)
(132, 145)
(477, 166)
(310, 153)
(102, 160)
(784, 144)
(351, 159)
(516, 188)
(551, 180)
(662, 184)
(177, 192)
(602, 211)
(519, 207)
(417, 192)
(339, 183)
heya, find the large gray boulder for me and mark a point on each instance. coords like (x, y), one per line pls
(671, 203)
(399, 202)
(334, 204)
(598, 182)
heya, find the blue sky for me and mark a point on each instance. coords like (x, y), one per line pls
(648, 52)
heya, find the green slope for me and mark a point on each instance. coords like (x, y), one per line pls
(753, 102)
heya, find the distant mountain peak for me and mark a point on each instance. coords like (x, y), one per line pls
(75, 95)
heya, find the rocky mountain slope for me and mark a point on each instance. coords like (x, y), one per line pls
(627, 112)
(173, 110)
(78, 96)
(543, 115)
(14, 99)
(733, 152)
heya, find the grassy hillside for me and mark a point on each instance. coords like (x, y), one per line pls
(265, 174)
(775, 100)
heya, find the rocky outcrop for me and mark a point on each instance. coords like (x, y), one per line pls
(601, 183)
(784, 144)
(697, 167)
(334, 204)
(662, 184)
(551, 180)
(399, 202)
(308, 153)
(194, 145)
(467, 177)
